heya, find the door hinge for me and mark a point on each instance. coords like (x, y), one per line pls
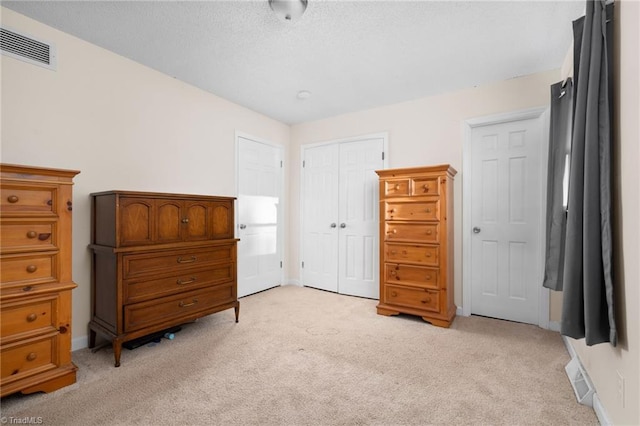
(383, 155)
(303, 264)
(280, 163)
(281, 264)
(302, 163)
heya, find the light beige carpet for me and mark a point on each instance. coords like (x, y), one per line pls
(301, 356)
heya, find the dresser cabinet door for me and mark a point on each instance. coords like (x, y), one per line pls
(222, 220)
(136, 221)
(195, 221)
(169, 221)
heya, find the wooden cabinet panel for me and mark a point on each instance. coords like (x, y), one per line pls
(416, 247)
(35, 273)
(171, 261)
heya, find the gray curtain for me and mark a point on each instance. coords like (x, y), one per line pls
(588, 310)
(561, 113)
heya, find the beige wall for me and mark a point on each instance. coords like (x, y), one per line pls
(602, 362)
(422, 132)
(124, 126)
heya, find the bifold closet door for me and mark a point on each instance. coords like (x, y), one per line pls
(340, 217)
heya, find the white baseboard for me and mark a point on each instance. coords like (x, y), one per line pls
(554, 326)
(78, 343)
(601, 413)
(459, 312)
(594, 399)
(292, 282)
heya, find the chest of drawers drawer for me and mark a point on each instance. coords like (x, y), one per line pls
(428, 185)
(141, 315)
(176, 261)
(140, 290)
(28, 270)
(24, 236)
(427, 255)
(28, 316)
(28, 357)
(412, 210)
(422, 299)
(27, 199)
(411, 275)
(413, 232)
(396, 187)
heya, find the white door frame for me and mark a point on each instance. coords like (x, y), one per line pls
(282, 206)
(303, 148)
(467, 127)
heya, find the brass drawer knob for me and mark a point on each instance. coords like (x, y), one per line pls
(426, 187)
(427, 300)
(32, 234)
(397, 186)
(32, 356)
(428, 210)
(13, 199)
(429, 232)
(428, 277)
(185, 220)
(428, 254)
(394, 294)
(393, 252)
(32, 268)
(32, 317)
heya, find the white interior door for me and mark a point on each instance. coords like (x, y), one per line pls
(358, 229)
(259, 218)
(340, 216)
(320, 224)
(506, 221)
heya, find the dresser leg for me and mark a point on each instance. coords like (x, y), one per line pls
(117, 350)
(92, 338)
(237, 310)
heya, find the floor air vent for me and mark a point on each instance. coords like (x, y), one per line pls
(27, 49)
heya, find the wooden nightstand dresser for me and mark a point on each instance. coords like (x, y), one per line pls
(416, 243)
(35, 295)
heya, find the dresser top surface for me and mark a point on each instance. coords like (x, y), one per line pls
(142, 194)
(415, 171)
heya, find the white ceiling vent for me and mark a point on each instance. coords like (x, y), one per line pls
(28, 49)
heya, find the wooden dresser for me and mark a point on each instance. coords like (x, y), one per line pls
(416, 247)
(36, 284)
(159, 260)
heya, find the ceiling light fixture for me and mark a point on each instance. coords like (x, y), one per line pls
(288, 10)
(303, 94)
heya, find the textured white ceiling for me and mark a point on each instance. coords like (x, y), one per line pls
(351, 55)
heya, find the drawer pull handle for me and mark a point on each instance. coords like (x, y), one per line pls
(392, 210)
(393, 272)
(13, 199)
(69, 205)
(27, 288)
(185, 220)
(190, 260)
(393, 252)
(404, 252)
(49, 202)
(180, 282)
(428, 210)
(32, 234)
(32, 268)
(32, 317)
(32, 356)
(429, 232)
(392, 231)
(394, 294)
(397, 186)
(428, 254)
(44, 236)
(428, 277)
(426, 187)
(427, 300)
(186, 305)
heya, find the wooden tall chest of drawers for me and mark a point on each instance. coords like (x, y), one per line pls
(36, 284)
(416, 247)
(159, 260)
